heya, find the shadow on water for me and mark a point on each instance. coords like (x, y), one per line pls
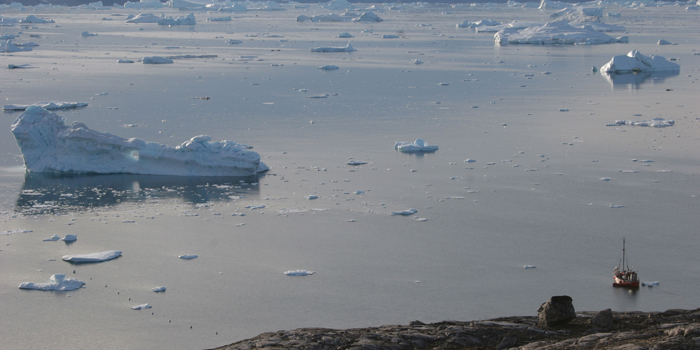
(636, 80)
(53, 193)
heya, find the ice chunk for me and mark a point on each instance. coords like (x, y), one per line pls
(188, 256)
(46, 105)
(159, 289)
(188, 20)
(553, 33)
(156, 60)
(655, 123)
(52, 239)
(418, 146)
(57, 282)
(8, 46)
(141, 307)
(299, 273)
(356, 162)
(635, 62)
(35, 19)
(93, 257)
(529, 266)
(346, 48)
(367, 17)
(328, 67)
(406, 212)
(70, 238)
(87, 34)
(48, 145)
(143, 18)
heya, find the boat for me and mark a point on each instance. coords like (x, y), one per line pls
(626, 277)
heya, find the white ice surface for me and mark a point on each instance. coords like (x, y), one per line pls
(143, 18)
(49, 145)
(634, 61)
(406, 212)
(8, 46)
(346, 48)
(93, 257)
(552, 33)
(299, 273)
(188, 20)
(141, 307)
(57, 282)
(188, 256)
(46, 105)
(655, 123)
(417, 146)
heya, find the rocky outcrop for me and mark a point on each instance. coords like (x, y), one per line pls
(557, 310)
(672, 329)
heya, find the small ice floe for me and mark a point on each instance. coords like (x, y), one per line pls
(11, 232)
(142, 18)
(188, 256)
(368, 16)
(311, 196)
(605, 179)
(635, 62)
(665, 42)
(70, 238)
(355, 162)
(125, 61)
(156, 60)
(650, 284)
(481, 23)
(141, 307)
(655, 123)
(469, 160)
(616, 206)
(320, 96)
(35, 19)
(563, 109)
(417, 146)
(57, 282)
(21, 66)
(159, 289)
(328, 67)
(7, 46)
(416, 61)
(52, 239)
(390, 36)
(253, 207)
(93, 257)
(219, 19)
(406, 212)
(421, 219)
(346, 48)
(299, 273)
(529, 267)
(87, 34)
(46, 105)
(234, 41)
(345, 35)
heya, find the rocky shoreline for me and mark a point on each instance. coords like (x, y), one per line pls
(602, 330)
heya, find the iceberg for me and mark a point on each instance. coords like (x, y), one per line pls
(48, 145)
(46, 105)
(143, 18)
(57, 282)
(418, 146)
(367, 17)
(8, 46)
(35, 19)
(635, 62)
(93, 257)
(553, 33)
(346, 48)
(188, 20)
(141, 307)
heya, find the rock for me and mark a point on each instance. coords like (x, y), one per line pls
(603, 319)
(508, 342)
(557, 310)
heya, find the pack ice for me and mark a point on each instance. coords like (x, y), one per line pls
(635, 62)
(48, 145)
(553, 33)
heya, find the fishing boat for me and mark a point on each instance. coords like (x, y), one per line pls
(624, 276)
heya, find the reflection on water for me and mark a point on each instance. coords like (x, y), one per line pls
(51, 193)
(635, 80)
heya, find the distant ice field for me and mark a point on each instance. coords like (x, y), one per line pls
(527, 174)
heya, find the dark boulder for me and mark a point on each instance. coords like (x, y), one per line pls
(603, 319)
(557, 310)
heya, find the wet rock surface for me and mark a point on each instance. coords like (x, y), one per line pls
(671, 329)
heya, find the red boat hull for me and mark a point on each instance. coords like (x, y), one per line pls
(634, 284)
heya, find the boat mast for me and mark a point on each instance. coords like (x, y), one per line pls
(623, 254)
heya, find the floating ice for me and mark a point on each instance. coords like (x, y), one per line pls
(481, 23)
(52, 239)
(328, 67)
(188, 20)
(605, 179)
(655, 123)
(46, 105)
(49, 145)
(406, 212)
(156, 60)
(125, 61)
(579, 14)
(141, 307)
(311, 196)
(8, 46)
(390, 36)
(299, 273)
(529, 267)
(553, 33)
(20, 66)
(11, 232)
(345, 35)
(367, 17)
(159, 289)
(93, 257)
(650, 284)
(417, 146)
(188, 257)
(635, 62)
(70, 238)
(35, 19)
(57, 282)
(219, 19)
(324, 18)
(251, 207)
(87, 34)
(346, 48)
(143, 18)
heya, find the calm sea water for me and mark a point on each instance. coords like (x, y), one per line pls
(534, 195)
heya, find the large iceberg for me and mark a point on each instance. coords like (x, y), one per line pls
(553, 33)
(57, 282)
(416, 147)
(188, 20)
(346, 48)
(48, 145)
(635, 62)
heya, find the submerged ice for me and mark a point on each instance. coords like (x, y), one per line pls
(48, 145)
